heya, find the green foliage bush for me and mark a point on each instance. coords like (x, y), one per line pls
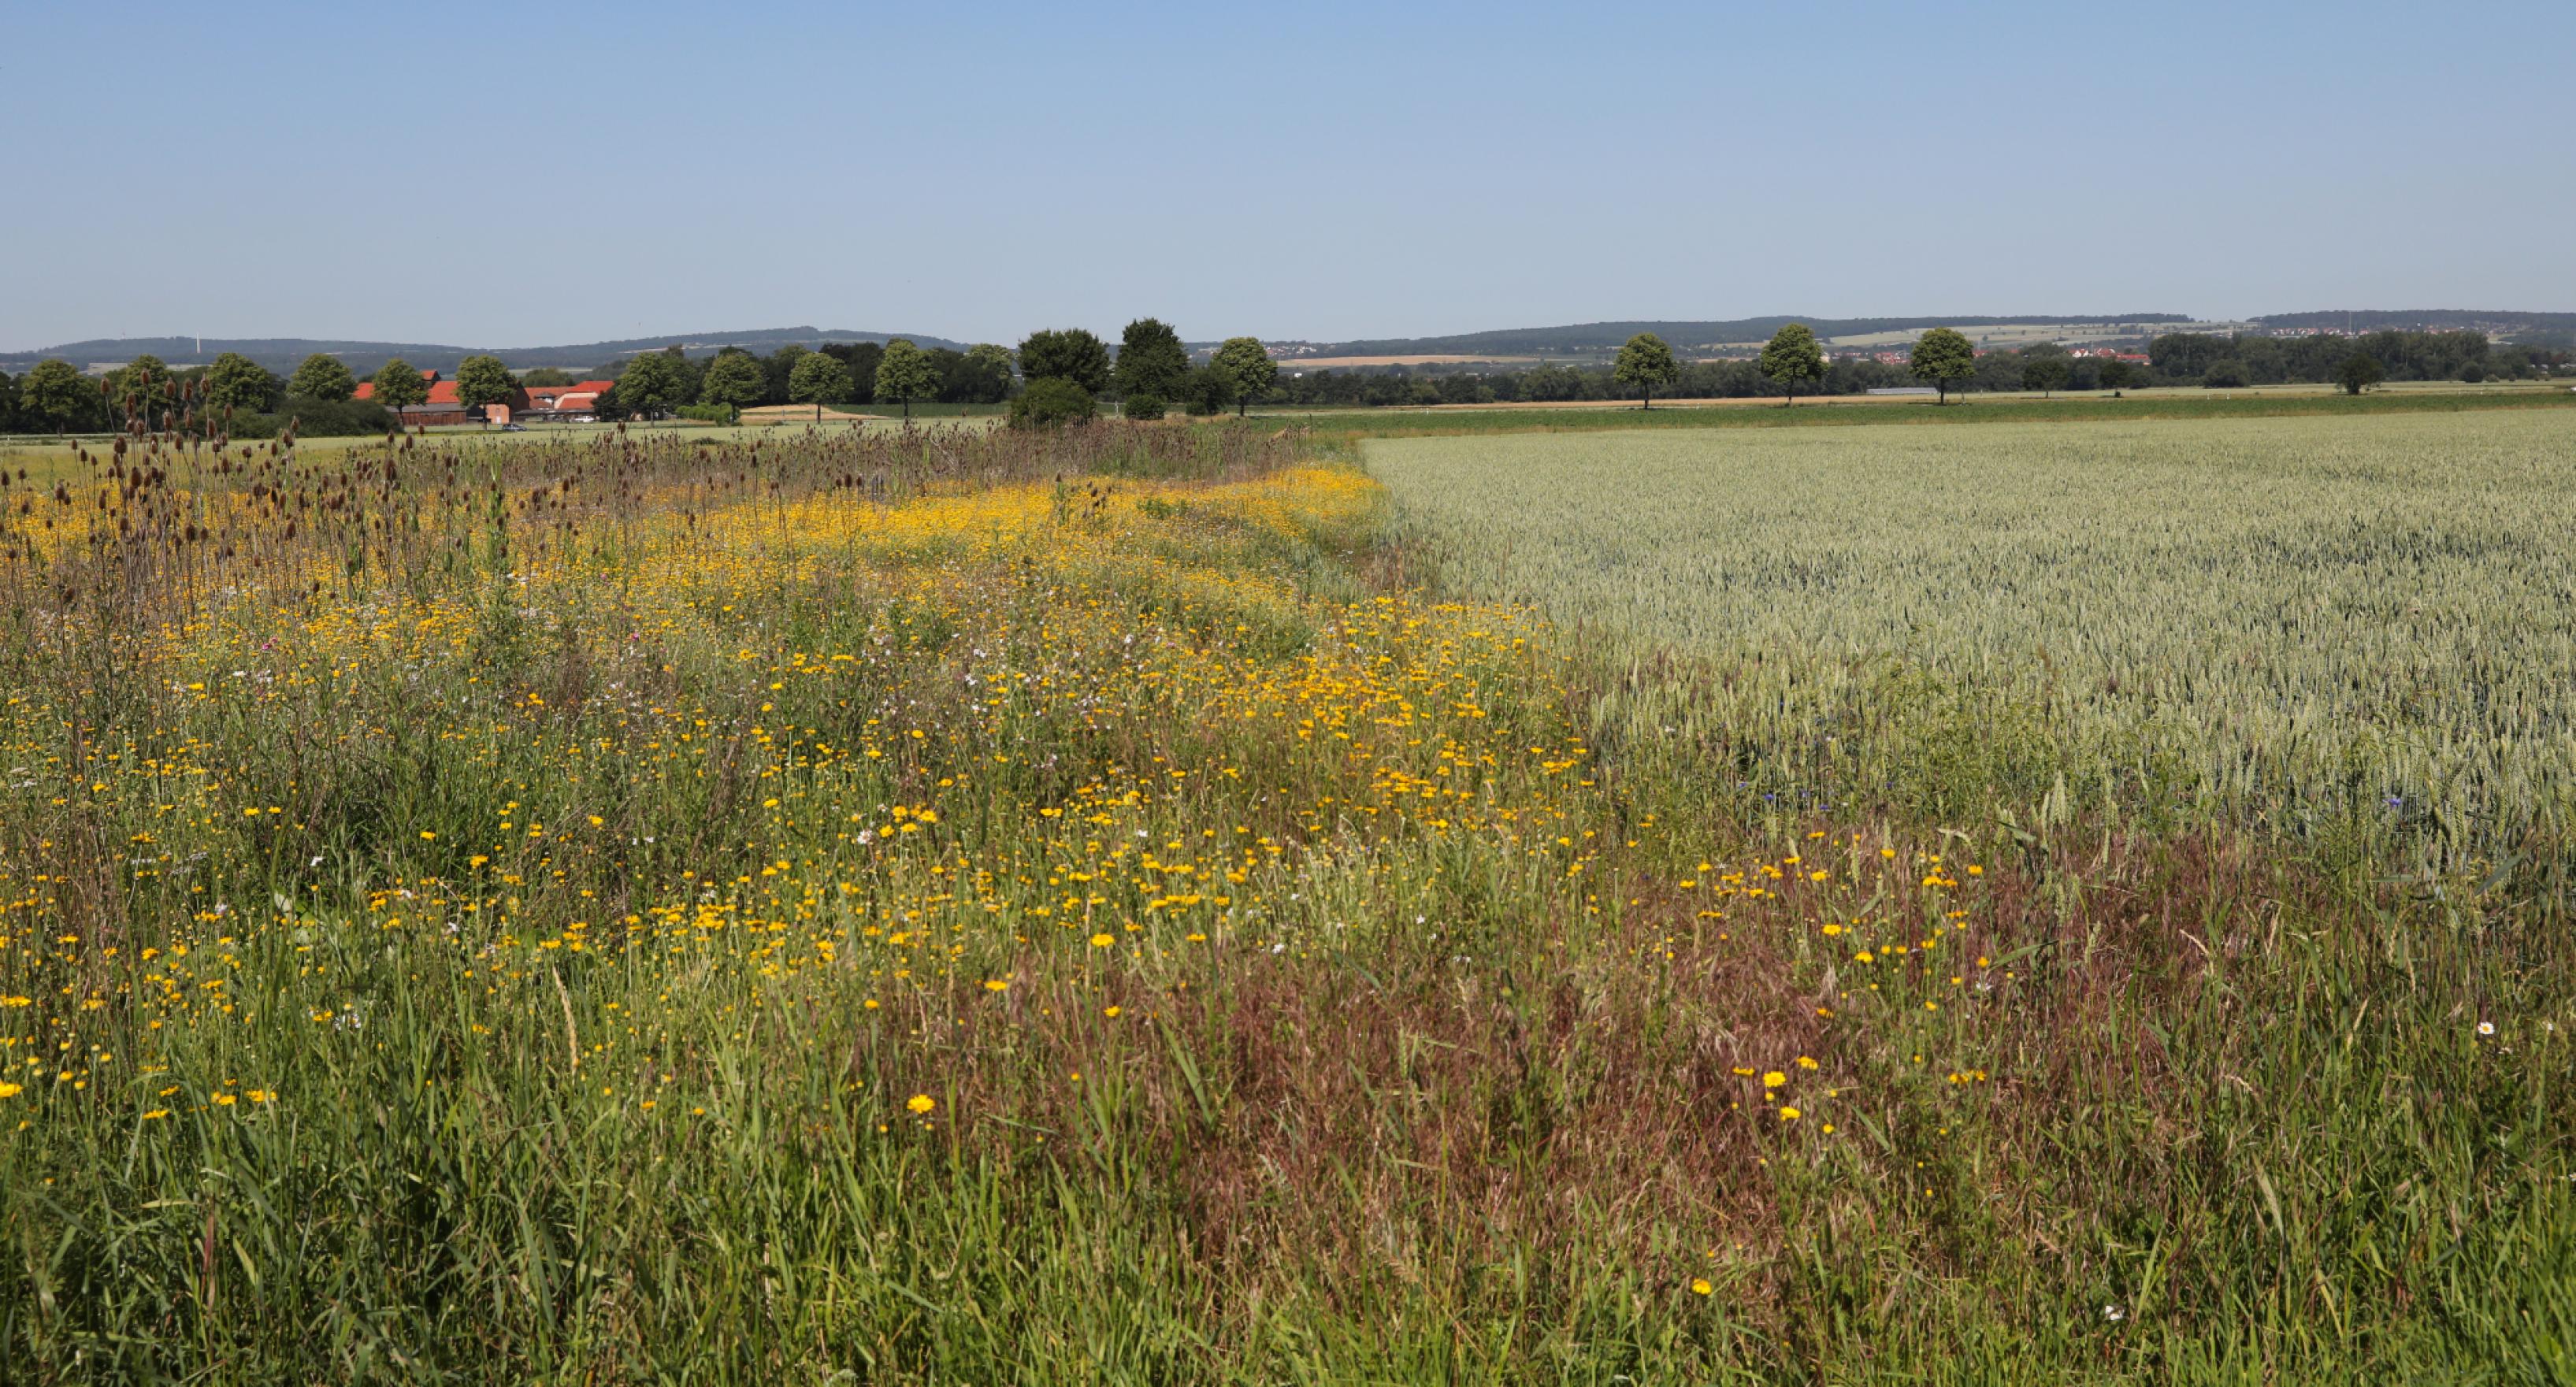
(316, 419)
(1144, 407)
(711, 414)
(1051, 401)
(1206, 391)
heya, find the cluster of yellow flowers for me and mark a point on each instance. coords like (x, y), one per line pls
(661, 778)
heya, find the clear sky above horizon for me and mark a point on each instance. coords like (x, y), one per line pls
(479, 175)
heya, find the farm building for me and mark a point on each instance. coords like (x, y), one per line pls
(532, 403)
(573, 401)
(433, 414)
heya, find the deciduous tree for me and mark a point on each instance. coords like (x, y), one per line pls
(981, 375)
(734, 378)
(781, 369)
(1944, 357)
(1151, 359)
(1644, 363)
(1791, 356)
(654, 383)
(1205, 391)
(2359, 372)
(862, 359)
(1050, 401)
(55, 395)
(904, 373)
(1246, 364)
(483, 380)
(2045, 373)
(322, 376)
(819, 380)
(1069, 353)
(237, 383)
(398, 383)
(145, 385)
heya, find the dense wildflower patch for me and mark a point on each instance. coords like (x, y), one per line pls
(648, 911)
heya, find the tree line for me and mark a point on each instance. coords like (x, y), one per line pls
(1062, 374)
(250, 400)
(1791, 363)
(1794, 363)
(2239, 360)
(1055, 375)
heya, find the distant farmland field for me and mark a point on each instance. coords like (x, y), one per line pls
(2336, 627)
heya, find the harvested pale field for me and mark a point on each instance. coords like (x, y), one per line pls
(789, 414)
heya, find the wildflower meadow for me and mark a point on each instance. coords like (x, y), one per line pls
(1135, 903)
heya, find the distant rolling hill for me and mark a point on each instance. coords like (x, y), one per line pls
(1585, 341)
(1592, 339)
(2425, 320)
(281, 354)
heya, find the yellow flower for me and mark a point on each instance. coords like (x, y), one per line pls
(921, 1103)
(10, 1090)
(1101, 941)
(1700, 1286)
(156, 1114)
(1788, 1114)
(1111, 1012)
(995, 984)
(426, 835)
(1774, 1079)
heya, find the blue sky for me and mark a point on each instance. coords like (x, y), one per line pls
(492, 175)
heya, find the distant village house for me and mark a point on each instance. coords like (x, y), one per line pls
(578, 402)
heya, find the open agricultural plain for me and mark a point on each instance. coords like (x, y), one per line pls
(2356, 629)
(2057, 901)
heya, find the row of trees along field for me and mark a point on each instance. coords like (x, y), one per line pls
(56, 397)
(1060, 373)
(2229, 361)
(1152, 372)
(1056, 375)
(2175, 359)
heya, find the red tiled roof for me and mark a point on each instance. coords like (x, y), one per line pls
(580, 395)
